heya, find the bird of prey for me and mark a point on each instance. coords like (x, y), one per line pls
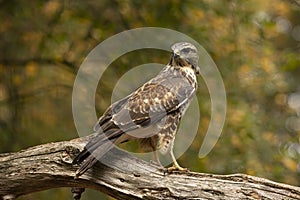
(151, 114)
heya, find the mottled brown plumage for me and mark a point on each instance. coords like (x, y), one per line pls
(151, 114)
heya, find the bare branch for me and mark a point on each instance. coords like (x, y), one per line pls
(50, 166)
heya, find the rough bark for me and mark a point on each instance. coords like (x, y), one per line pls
(50, 166)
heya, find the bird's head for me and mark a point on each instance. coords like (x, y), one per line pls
(185, 54)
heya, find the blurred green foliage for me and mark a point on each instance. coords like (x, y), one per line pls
(255, 44)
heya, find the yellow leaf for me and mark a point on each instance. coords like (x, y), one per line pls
(31, 69)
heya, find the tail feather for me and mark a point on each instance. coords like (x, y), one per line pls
(95, 149)
(88, 157)
(81, 156)
(88, 163)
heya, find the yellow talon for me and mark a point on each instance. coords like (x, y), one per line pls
(177, 168)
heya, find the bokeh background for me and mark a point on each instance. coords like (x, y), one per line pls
(255, 44)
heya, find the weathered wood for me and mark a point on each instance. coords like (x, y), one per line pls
(50, 166)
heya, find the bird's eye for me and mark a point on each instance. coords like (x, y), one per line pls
(187, 50)
(192, 66)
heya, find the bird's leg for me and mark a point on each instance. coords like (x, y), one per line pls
(156, 159)
(153, 146)
(176, 166)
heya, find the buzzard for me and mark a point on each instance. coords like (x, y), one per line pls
(151, 114)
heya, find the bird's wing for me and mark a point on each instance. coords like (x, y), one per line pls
(147, 105)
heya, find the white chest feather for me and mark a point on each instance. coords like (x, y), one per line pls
(190, 73)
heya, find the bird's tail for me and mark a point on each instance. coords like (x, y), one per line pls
(94, 151)
(88, 159)
(89, 156)
(81, 156)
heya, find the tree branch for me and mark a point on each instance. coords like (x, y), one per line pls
(50, 166)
